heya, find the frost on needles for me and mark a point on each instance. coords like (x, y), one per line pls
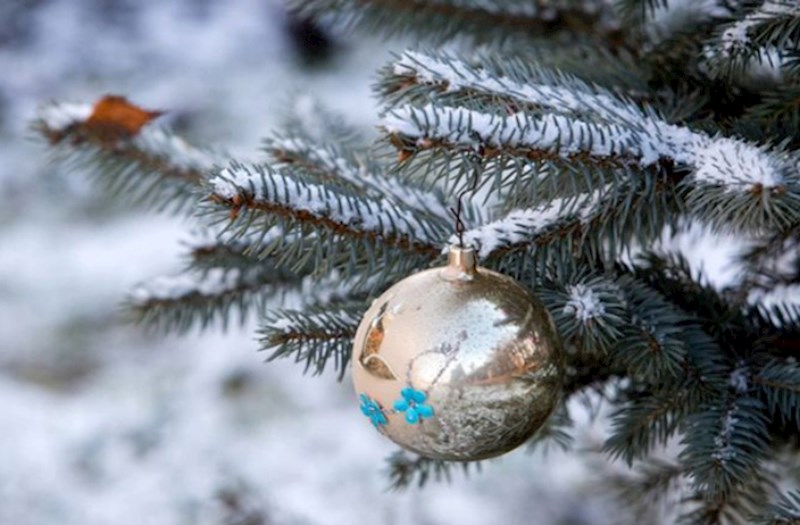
(587, 133)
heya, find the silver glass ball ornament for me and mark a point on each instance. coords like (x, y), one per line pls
(458, 362)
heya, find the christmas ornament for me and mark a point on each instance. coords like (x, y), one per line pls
(457, 363)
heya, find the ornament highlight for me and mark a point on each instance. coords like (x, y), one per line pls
(457, 363)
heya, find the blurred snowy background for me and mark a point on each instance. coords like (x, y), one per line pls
(102, 424)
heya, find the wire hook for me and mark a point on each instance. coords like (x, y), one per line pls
(459, 209)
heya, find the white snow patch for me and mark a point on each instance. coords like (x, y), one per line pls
(722, 441)
(735, 165)
(59, 116)
(738, 379)
(583, 303)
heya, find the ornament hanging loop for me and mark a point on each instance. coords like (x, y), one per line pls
(458, 211)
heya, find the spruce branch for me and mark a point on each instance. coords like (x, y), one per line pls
(654, 347)
(178, 303)
(313, 336)
(786, 511)
(735, 508)
(646, 420)
(353, 170)
(759, 38)
(596, 225)
(154, 167)
(334, 227)
(776, 114)
(589, 311)
(492, 20)
(732, 184)
(555, 432)
(724, 444)
(777, 305)
(646, 489)
(779, 383)
(207, 250)
(509, 126)
(406, 470)
(516, 84)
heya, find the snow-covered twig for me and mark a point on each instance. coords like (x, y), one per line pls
(332, 164)
(153, 166)
(556, 219)
(259, 188)
(754, 45)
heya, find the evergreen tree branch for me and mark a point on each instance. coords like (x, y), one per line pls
(645, 490)
(776, 114)
(510, 126)
(645, 421)
(313, 336)
(518, 85)
(759, 37)
(596, 225)
(777, 305)
(724, 444)
(555, 432)
(779, 383)
(735, 508)
(493, 20)
(208, 251)
(153, 167)
(179, 303)
(334, 164)
(590, 311)
(406, 470)
(335, 228)
(732, 184)
(786, 511)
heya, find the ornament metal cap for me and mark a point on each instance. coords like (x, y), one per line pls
(462, 264)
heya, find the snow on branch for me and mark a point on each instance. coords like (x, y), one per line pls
(178, 302)
(755, 43)
(778, 304)
(530, 227)
(732, 163)
(531, 89)
(589, 310)
(583, 303)
(666, 19)
(724, 444)
(331, 164)
(262, 190)
(732, 183)
(150, 164)
(550, 136)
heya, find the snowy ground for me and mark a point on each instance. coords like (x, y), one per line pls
(102, 424)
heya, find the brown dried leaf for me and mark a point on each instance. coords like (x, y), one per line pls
(113, 118)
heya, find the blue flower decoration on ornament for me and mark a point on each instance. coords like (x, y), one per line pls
(413, 404)
(371, 409)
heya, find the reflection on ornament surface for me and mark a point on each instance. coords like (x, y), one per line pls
(468, 359)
